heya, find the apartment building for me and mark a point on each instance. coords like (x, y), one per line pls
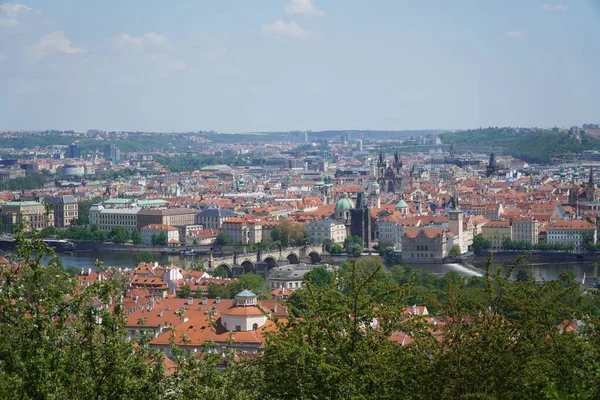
(171, 232)
(526, 229)
(108, 218)
(180, 218)
(571, 231)
(241, 231)
(66, 209)
(213, 218)
(326, 229)
(496, 232)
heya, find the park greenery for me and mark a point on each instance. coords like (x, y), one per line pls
(196, 162)
(28, 182)
(352, 334)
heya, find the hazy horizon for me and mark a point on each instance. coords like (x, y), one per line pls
(295, 65)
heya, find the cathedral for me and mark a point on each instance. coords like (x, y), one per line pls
(389, 175)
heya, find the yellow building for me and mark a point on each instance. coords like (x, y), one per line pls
(496, 232)
(31, 214)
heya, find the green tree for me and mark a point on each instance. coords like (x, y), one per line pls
(56, 344)
(136, 237)
(480, 243)
(355, 250)
(184, 291)
(253, 282)
(49, 232)
(336, 248)
(119, 235)
(223, 239)
(220, 272)
(318, 276)
(353, 241)
(145, 257)
(159, 239)
(217, 290)
(289, 233)
(454, 251)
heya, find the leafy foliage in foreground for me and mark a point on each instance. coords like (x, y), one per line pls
(491, 339)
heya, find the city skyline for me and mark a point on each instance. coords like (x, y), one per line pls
(297, 65)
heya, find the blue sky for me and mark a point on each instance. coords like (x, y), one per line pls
(244, 65)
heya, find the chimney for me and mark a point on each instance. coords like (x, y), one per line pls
(204, 301)
(110, 301)
(275, 308)
(135, 299)
(217, 300)
(160, 314)
(89, 271)
(190, 301)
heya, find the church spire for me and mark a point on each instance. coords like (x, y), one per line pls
(591, 180)
(396, 157)
(381, 156)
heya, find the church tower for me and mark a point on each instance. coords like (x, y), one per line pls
(455, 222)
(590, 190)
(398, 164)
(492, 168)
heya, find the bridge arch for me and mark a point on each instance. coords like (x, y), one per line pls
(271, 262)
(227, 268)
(293, 258)
(315, 257)
(248, 266)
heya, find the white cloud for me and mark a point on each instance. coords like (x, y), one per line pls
(150, 38)
(3, 57)
(283, 29)
(55, 42)
(304, 7)
(176, 65)
(11, 13)
(155, 38)
(555, 7)
(513, 34)
(126, 40)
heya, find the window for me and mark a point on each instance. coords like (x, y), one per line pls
(254, 326)
(238, 328)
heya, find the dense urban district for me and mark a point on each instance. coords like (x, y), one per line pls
(295, 264)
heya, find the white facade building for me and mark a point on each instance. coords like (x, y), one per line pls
(108, 218)
(326, 229)
(571, 231)
(149, 231)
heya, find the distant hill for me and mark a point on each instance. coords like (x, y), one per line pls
(536, 146)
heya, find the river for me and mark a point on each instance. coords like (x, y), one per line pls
(546, 271)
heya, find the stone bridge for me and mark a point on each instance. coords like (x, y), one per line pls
(261, 262)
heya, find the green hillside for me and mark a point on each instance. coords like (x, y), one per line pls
(531, 146)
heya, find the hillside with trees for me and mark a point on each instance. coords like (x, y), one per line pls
(538, 146)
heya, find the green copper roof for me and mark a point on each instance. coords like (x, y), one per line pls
(344, 203)
(401, 204)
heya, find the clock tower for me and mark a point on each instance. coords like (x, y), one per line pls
(455, 221)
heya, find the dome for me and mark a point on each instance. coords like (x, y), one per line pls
(344, 203)
(375, 185)
(401, 204)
